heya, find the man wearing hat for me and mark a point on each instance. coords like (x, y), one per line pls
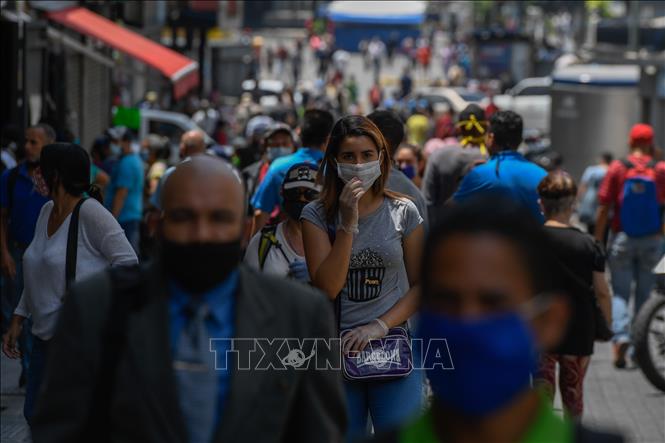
(278, 249)
(634, 187)
(278, 141)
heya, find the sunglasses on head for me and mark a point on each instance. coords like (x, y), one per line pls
(296, 193)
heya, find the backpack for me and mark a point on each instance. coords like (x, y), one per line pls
(640, 212)
(267, 241)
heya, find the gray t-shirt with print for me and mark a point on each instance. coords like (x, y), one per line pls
(377, 277)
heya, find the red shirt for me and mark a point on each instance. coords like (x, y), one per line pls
(611, 189)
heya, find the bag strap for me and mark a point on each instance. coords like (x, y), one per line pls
(268, 240)
(127, 294)
(627, 163)
(12, 178)
(72, 246)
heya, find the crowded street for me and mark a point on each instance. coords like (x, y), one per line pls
(332, 221)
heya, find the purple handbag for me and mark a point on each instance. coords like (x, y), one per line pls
(384, 358)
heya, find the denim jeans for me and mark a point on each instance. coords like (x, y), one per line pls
(10, 296)
(389, 403)
(132, 230)
(631, 261)
(35, 376)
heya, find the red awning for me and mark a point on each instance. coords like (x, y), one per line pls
(182, 71)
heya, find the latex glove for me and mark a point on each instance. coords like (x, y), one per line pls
(298, 270)
(348, 204)
(359, 337)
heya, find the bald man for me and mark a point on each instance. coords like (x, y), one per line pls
(154, 336)
(192, 143)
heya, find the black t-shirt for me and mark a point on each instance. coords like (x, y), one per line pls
(577, 254)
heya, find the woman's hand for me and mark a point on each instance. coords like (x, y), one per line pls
(10, 338)
(348, 204)
(359, 337)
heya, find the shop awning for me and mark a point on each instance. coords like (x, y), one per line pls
(182, 71)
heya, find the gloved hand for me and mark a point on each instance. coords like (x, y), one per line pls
(359, 337)
(298, 270)
(348, 205)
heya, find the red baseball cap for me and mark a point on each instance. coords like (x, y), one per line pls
(641, 134)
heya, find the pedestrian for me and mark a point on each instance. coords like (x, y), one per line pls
(362, 244)
(137, 341)
(155, 153)
(102, 155)
(588, 192)
(191, 143)
(392, 128)
(484, 318)
(314, 137)
(409, 160)
(278, 249)
(634, 189)
(449, 163)
(278, 141)
(22, 195)
(124, 196)
(507, 172)
(376, 50)
(99, 243)
(406, 84)
(375, 95)
(579, 263)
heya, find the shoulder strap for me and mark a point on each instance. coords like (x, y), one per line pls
(72, 246)
(268, 240)
(127, 294)
(652, 164)
(11, 185)
(627, 163)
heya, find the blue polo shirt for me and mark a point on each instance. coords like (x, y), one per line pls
(220, 324)
(507, 173)
(127, 173)
(267, 195)
(26, 205)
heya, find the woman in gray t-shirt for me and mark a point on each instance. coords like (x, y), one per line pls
(362, 244)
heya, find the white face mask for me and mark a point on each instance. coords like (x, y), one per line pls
(367, 173)
(277, 152)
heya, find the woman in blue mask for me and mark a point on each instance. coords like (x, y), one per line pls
(362, 246)
(487, 293)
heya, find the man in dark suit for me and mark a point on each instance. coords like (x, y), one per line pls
(132, 360)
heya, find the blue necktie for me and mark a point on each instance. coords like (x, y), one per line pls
(197, 381)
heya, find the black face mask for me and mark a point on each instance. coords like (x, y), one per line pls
(199, 267)
(293, 208)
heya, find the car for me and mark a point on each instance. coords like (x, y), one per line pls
(531, 99)
(168, 124)
(268, 93)
(454, 98)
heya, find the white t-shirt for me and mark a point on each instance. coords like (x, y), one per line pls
(276, 263)
(101, 242)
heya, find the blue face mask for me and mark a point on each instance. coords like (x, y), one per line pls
(409, 171)
(116, 150)
(273, 153)
(493, 359)
(145, 155)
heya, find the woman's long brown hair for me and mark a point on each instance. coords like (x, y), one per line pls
(351, 126)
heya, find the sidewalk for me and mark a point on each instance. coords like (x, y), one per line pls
(621, 400)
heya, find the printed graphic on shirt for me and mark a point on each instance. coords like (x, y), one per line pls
(365, 276)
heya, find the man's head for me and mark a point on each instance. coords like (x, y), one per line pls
(299, 188)
(192, 143)
(641, 138)
(121, 140)
(316, 128)
(278, 141)
(486, 289)
(505, 133)
(202, 222)
(36, 137)
(558, 194)
(606, 158)
(391, 126)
